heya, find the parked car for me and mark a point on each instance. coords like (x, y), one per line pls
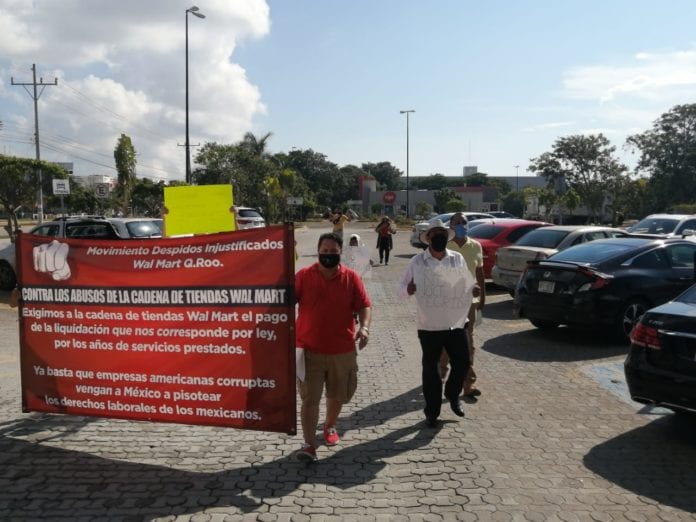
(541, 243)
(138, 228)
(665, 225)
(605, 284)
(499, 233)
(422, 226)
(501, 214)
(246, 217)
(661, 364)
(70, 227)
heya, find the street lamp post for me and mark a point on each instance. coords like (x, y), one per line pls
(517, 176)
(408, 208)
(195, 12)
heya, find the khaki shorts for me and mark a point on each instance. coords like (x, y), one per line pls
(339, 373)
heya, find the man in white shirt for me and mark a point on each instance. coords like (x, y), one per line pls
(444, 289)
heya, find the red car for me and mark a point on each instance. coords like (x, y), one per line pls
(500, 233)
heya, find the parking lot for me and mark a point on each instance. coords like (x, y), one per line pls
(554, 436)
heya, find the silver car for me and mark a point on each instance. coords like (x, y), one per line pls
(665, 225)
(138, 228)
(510, 261)
(445, 218)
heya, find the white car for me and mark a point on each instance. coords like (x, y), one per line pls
(246, 217)
(510, 261)
(665, 225)
(445, 218)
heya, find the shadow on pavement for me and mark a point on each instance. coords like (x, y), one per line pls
(558, 345)
(501, 310)
(380, 412)
(40, 480)
(655, 461)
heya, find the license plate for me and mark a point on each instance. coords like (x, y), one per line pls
(546, 287)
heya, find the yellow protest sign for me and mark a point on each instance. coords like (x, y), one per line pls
(204, 209)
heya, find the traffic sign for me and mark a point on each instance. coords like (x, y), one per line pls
(101, 190)
(61, 187)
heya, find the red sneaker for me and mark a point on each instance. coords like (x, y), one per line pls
(331, 436)
(307, 453)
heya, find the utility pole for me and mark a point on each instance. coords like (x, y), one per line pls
(35, 96)
(408, 206)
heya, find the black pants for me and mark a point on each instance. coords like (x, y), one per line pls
(384, 245)
(456, 345)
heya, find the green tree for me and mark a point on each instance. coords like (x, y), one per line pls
(124, 157)
(584, 164)
(319, 174)
(424, 209)
(80, 200)
(514, 203)
(387, 175)
(148, 198)
(245, 165)
(668, 156)
(455, 205)
(435, 182)
(19, 183)
(442, 197)
(479, 179)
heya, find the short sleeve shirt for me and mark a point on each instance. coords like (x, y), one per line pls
(326, 307)
(471, 251)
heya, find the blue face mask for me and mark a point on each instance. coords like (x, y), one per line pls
(461, 230)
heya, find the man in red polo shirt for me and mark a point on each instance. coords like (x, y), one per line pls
(328, 295)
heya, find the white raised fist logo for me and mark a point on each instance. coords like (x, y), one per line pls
(52, 258)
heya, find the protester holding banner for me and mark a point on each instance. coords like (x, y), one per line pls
(338, 219)
(328, 294)
(385, 229)
(357, 256)
(444, 288)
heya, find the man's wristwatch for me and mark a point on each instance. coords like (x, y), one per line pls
(367, 330)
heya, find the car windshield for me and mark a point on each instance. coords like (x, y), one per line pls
(485, 231)
(593, 252)
(662, 225)
(689, 296)
(543, 238)
(248, 213)
(143, 229)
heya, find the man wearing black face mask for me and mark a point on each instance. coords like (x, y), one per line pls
(328, 294)
(444, 288)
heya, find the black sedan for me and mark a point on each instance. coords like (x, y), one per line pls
(661, 365)
(605, 284)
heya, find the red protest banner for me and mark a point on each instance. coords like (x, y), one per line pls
(195, 330)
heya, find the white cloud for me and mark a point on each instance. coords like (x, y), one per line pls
(652, 76)
(120, 68)
(549, 125)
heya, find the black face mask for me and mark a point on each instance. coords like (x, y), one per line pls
(329, 260)
(438, 243)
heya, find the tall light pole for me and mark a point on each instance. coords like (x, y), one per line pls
(195, 12)
(407, 113)
(517, 176)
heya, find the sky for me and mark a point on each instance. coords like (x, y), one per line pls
(493, 84)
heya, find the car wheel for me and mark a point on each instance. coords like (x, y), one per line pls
(8, 279)
(544, 325)
(631, 313)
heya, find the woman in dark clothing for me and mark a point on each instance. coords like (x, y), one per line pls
(385, 229)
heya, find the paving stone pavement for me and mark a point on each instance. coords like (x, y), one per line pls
(553, 437)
